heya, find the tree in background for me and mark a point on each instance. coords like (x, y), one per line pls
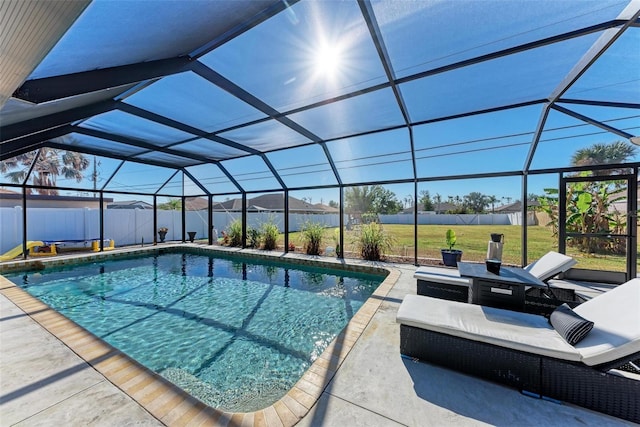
(425, 200)
(171, 205)
(475, 202)
(385, 201)
(492, 200)
(371, 199)
(50, 164)
(603, 154)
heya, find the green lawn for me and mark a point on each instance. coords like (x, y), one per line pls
(472, 240)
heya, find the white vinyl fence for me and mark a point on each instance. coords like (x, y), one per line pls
(135, 226)
(128, 226)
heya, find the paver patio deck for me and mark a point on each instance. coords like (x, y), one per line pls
(44, 382)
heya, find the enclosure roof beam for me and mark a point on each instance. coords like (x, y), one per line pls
(594, 122)
(31, 142)
(38, 124)
(196, 181)
(599, 103)
(67, 85)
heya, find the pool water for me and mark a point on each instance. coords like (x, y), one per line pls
(235, 334)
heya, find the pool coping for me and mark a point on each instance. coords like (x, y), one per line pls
(162, 399)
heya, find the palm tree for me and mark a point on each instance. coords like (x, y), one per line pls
(49, 164)
(171, 205)
(492, 201)
(602, 154)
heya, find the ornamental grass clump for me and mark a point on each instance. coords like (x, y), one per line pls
(372, 241)
(312, 234)
(270, 235)
(234, 233)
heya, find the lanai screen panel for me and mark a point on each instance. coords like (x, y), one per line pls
(524, 77)
(213, 179)
(616, 76)
(112, 33)
(87, 143)
(181, 185)
(564, 135)
(139, 178)
(374, 157)
(75, 170)
(287, 60)
(165, 158)
(371, 111)
(425, 35)
(623, 119)
(252, 173)
(209, 149)
(130, 126)
(265, 136)
(195, 101)
(484, 143)
(306, 166)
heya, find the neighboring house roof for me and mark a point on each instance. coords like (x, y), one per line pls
(5, 191)
(443, 207)
(129, 204)
(273, 203)
(515, 206)
(196, 204)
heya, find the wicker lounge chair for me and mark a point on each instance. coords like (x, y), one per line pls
(447, 284)
(523, 350)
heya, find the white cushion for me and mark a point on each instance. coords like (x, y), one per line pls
(519, 331)
(616, 330)
(441, 275)
(551, 264)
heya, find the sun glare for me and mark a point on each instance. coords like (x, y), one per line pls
(328, 60)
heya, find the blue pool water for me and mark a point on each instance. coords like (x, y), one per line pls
(237, 335)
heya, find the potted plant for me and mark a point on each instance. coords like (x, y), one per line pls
(450, 257)
(162, 233)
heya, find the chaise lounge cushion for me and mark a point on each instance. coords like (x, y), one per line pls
(616, 330)
(550, 264)
(441, 275)
(570, 325)
(519, 331)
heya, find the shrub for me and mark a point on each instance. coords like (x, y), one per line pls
(270, 235)
(312, 234)
(253, 237)
(233, 236)
(372, 241)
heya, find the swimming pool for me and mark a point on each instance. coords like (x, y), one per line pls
(234, 333)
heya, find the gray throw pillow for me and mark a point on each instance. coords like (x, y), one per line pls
(569, 324)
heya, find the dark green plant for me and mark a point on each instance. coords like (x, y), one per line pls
(234, 233)
(589, 207)
(312, 234)
(253, 237)
(270, 235)
(372, 241)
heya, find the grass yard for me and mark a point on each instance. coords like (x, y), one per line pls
(472, 240)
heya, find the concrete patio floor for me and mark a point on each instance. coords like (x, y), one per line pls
(43, 382)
